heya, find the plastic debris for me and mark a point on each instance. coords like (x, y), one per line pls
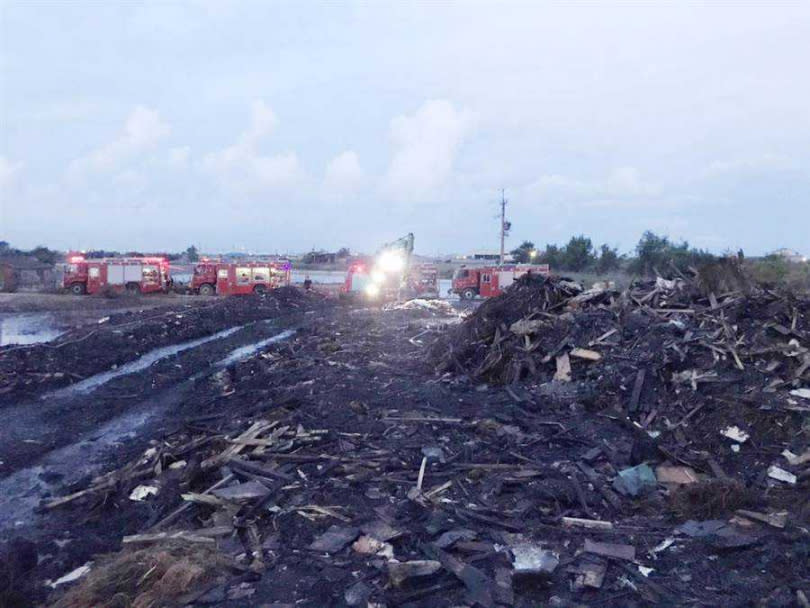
(780, 474)
(735, 433)
(142, 492)
(635, 480)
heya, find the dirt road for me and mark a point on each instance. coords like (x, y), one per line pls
(364, 478)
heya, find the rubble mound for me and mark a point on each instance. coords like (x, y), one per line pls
(680, 334)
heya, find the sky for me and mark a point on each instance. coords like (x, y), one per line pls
(287, 126)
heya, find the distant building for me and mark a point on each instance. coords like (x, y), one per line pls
(488, 256)
(791, 256)
(25, 272)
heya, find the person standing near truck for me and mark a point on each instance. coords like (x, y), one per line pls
(307, 283)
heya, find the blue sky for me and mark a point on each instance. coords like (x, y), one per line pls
(282, 126)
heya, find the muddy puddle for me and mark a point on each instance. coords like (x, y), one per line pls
(28, 328)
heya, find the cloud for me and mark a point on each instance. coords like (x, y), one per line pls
(623, 186)
(178, 157)
(8, 172)
(343, 175)
(241, 166)
(627, 182)
(143, 130)
(426, 144)
(765, 162)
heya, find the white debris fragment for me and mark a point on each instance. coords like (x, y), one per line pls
(71, 576)
(141, 492)
(735, 448)
(735, 433)
(780, 474)
(796, 460)
(368, 545)
(662, 546)
(103, 320)
(804, 393)
(645, 572)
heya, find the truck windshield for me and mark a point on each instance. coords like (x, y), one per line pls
(461, 273)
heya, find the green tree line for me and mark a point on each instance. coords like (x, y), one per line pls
(654, 254)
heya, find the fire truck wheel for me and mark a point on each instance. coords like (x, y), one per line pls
(206, 290)
(77, 289)
(133, 289)
(468, 294)
(260, 289)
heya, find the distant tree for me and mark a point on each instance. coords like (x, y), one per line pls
(343, 253)
(4, 247)
(578, 254)
(609, 259)
(45, 255)
(657, 254)
(552, 256)
(192, 254)
(523, 253)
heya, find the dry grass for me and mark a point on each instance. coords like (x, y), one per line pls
(148, 578)
(708, 499)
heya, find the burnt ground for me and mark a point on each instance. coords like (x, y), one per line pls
(327, 432)
(122, 336)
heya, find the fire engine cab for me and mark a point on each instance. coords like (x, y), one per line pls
(490, 281)
(225, 279)
(420, 281)
(133, 275)
(423, 281)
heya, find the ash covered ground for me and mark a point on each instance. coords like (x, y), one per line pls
(555, 447)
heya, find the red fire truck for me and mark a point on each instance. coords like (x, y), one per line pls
(133, 275)
(490, 281)
(239, 278)
(421, 281)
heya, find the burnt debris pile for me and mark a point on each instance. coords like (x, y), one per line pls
(650, 447)
(666, 334)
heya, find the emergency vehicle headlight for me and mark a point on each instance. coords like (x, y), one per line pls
(378, 277)
(391, 261)
(372, 290)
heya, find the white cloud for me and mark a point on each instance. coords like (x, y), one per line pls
(343, 175)
(765, 162)
(8, 172)
(241, 165)
(622, 186)
(426, 144)
(142, 130)
(627, 181)
(179, 157)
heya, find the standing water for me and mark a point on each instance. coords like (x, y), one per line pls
(27, 328)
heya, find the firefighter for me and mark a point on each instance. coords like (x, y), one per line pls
(307, 283)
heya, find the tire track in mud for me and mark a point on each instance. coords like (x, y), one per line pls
(23, 490)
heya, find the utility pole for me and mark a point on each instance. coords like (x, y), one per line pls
(503, 223)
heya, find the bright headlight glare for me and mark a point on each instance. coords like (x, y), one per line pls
(372, 290)
(391, 261)
(378, 276)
